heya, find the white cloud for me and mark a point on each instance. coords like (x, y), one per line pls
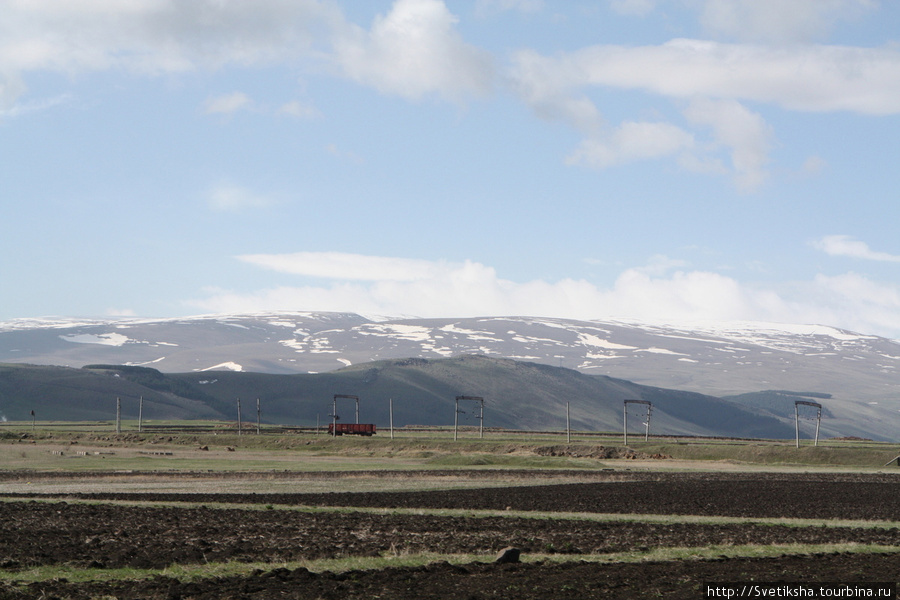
(299, 110)
(661, 291)
(857, 303)
(844, 245)
(630, 142)
(153, 37)
(413, 51)
(340, 265)
(801, 77)
(347, 155)
(228, 103)
(228, 197)
(548, 87)
(716, 80)
(747, 135)
(21, 109)
(778, 20)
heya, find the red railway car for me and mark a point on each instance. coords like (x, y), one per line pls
(351, 429)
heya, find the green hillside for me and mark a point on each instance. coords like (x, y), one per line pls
(66, 394)
(517, 395)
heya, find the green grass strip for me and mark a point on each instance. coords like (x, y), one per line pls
(475, 514)
(210, 570)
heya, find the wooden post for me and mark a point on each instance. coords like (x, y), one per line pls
(797, 423)
(391, 410)
(456, 420)
(32, 421)
(239, 416)
(141, 415)
(568, 429)
(118, 416)
(257, 416)
(625, 421)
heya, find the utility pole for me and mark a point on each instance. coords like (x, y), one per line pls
(141, 415)
(568, 430)
(239, 416)
(334, 416)
(118, 416)
(478, 399)
(391, 411)
(625, 418)
(257, 416)
(818, 408)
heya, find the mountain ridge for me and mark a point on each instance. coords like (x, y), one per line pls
(858, 372)
(517, 395)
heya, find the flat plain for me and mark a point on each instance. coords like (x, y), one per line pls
(95, 514)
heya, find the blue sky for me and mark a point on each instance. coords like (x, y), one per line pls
(665, 160)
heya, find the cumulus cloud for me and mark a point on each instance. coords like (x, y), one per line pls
(845, 245)
(299, 110)
(228, 197)
(745, 133)
(716, 80)
(412, 51)
(773, 21)
(857, 303)
(163, 36)
(228, 103)
(777, 20)
(802, 77)
(341, 265)
(631, 142)
(663, 290)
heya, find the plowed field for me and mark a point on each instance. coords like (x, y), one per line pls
(104, 534)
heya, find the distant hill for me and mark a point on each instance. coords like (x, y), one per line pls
(517, 395)
(856, 375)
(66, 394)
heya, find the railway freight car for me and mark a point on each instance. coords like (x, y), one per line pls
(351, 429)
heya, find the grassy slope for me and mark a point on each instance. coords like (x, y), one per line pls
(517, 395)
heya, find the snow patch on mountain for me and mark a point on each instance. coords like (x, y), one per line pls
(229, 366)
(104, 339)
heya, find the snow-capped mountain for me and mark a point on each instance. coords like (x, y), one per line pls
(860, 372)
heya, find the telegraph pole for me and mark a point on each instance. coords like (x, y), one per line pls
(818, 408)
(478, 399)
(625, 418)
